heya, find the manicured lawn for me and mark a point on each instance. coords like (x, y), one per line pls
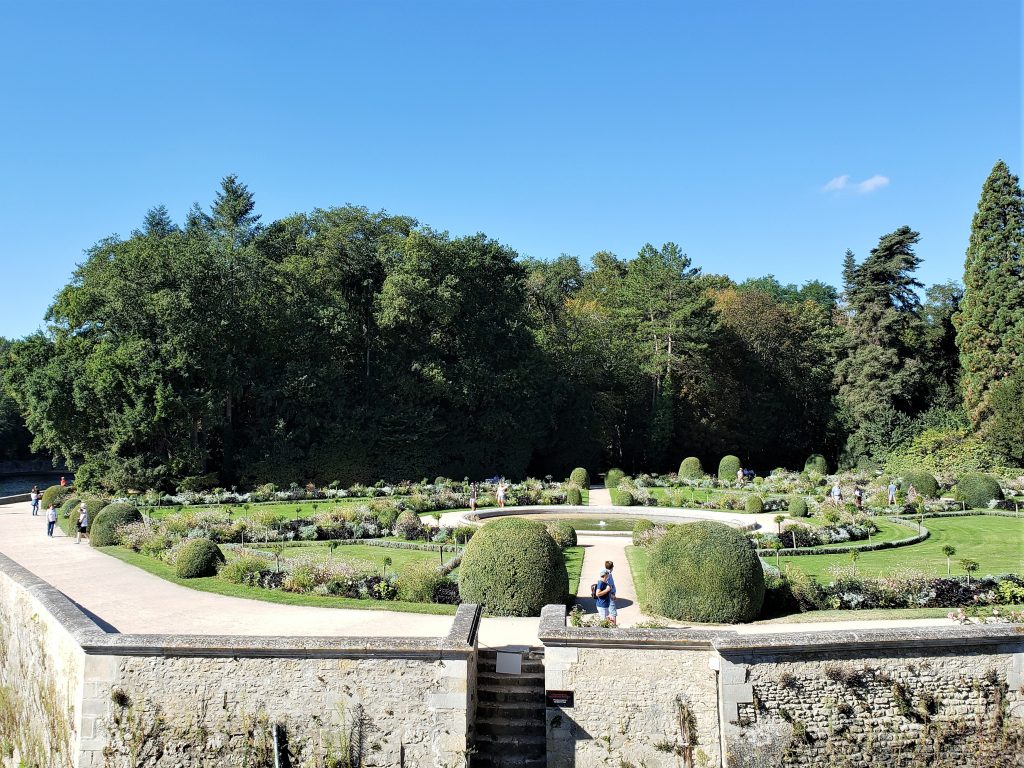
(886, 532)
(221, 587)
(574, 565)
(280, 510)
(362, 553)
(637, 559)
(996, 543)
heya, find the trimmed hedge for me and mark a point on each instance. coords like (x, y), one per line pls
(613, 478)
(728, 467)
(408, 525)
(573, 497)
(977, 490)
(924, 483)
(691, 469)
(843, 549)
(104, 528)
(621, 497)
(580, 476)
(69, 524)
(514, 568)
(55, 495)
(197, 559)
(706, 572)
(754, 505)
(641, 527)
(563, 533)
(816, 463)
(797, 506)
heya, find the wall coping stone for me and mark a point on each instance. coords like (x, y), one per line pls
(554, 632)
(19, 497)
(459, 643)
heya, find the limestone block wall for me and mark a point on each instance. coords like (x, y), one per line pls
(72, 696)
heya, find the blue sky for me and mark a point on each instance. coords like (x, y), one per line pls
(761, 137)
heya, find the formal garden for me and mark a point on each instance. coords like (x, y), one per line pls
(833, 542)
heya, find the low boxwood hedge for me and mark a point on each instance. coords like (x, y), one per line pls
(580, 476)
(103, 532)
(977, 490)
(621, 497)
(924, 483)
(691, 469)
(613, 478)
(728, 467)
(797, 506)
(198, 558)
(573, 497)
(563, 533)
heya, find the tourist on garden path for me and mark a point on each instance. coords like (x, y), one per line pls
(51, 520)
(83, 522)
(34, 496)
(837, 494)
(603, 593)
(892, 491)
(612, 612)
(500, 494)
(472, 497)
(858, 496)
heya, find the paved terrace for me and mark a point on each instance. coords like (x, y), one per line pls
(128, 600)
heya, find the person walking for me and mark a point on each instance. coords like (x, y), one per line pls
(51, 520)
(858, 496)
(892, 491)
(34, 496)
(612, 612)
(603, 595)
(83, 523)
(837, 494)
(472, 497)
(500, 494)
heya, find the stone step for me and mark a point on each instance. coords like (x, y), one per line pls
(509, 729)
(531, 677)
(511, 710)
(507, 760)
(489, 665)
(504, 694)
(507, 746)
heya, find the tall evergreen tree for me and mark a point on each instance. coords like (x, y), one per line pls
(990, 324)
(882, 368)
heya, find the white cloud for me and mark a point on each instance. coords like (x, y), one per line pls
(837, 184)
(870, 185)
(842, 184)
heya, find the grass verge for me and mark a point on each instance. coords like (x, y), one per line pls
(574, 566)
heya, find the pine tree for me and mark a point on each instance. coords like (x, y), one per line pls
(990, 324)
(881, 370)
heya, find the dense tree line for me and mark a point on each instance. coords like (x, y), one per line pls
(351, 345)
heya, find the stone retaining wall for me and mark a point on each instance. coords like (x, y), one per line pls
(937, 696)
(76, 697)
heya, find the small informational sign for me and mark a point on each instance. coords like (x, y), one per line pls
(564, 699)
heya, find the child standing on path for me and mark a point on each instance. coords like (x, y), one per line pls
(51, 520)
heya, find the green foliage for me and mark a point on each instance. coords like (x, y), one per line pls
(691, 469)
(621, 497)
(613, 478)
(641, 532)
(563, 533)
(942, 450)
(1005, 430)
(816, 463)
(797, 506)
(977, 490)
(754, 504)
(990, 323)
(580, 476)
(104, 528)
(728, 467)
(198, 558)
(705, 572)
(924, 483)
(418, 581)
(573, 497)
(514, 568)
(69, 507)
(244, 569)
(408, 525)
(55, 495)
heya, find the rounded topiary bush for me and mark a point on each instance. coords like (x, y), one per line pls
(691, 469)
(580, 476)
(573, 496)
(621, 497)
(706, 572)
(514, 568)
(55, 494)
(408, 525)
(754, 505)
(563, 533)
(728, 467)
(613, 478)
(197, 559)
(924, 483)
(797, 506)
(816, 463)
(104, 528)
(641, 532)
(68, 506)
(977, 490)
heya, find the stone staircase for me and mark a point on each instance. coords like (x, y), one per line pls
(510, 714)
